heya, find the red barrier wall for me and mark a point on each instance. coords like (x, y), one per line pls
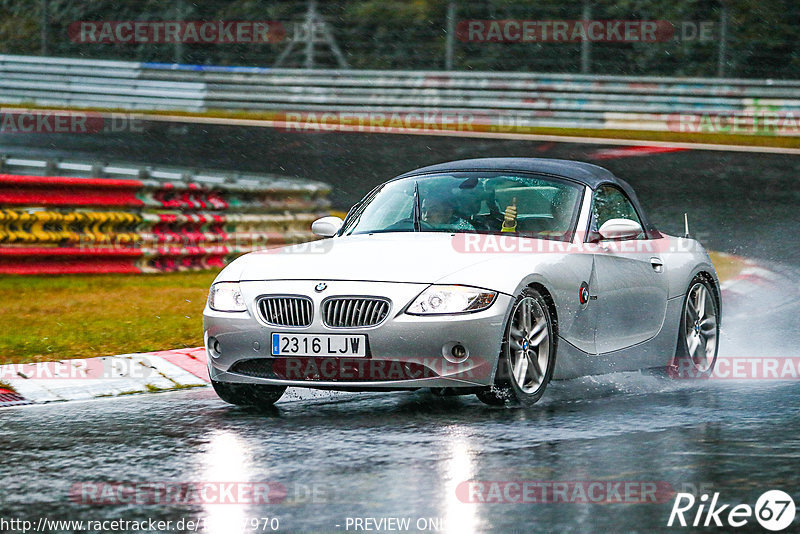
(67, 191)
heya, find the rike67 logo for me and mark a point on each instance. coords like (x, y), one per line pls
(774, 510)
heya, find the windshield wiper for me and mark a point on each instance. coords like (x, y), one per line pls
(417, 208)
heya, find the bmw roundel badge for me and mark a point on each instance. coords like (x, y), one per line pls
(583, 294)
(322, 286)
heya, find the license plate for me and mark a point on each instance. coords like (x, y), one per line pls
(319, 345)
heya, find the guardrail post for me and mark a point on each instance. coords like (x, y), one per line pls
(178, 53)
(98, 170)
(723, 37)
(44, 24)
(586, 44)
(450, 37)
(311, 18)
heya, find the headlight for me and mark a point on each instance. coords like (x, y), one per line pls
(226, 297)
(438, 300)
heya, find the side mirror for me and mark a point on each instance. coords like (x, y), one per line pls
(620, 229)
(326, 226)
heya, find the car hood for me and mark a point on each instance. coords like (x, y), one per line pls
(386, 257)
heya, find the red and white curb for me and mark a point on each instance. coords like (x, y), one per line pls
(108, 376)
(114, 376)
(11, 398)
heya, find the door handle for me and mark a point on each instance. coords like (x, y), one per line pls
(657, 264)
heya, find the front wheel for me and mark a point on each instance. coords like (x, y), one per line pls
(528, 353)
(248, 394)
(698, 339)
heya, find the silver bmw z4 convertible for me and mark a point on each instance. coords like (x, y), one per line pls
(486, 276)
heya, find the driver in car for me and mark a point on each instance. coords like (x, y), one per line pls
(470, 201)
(440, 215)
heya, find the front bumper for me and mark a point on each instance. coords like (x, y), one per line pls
(405, 351)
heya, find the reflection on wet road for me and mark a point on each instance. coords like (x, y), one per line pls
(404, 454)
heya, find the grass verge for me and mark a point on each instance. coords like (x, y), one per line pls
(83, 316)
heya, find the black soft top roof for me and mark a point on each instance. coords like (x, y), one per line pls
(585, 173)
(576, 171)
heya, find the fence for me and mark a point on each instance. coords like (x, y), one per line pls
(708, 38)
(128, 219)
(502, 101)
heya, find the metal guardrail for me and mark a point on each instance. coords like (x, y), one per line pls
(519, 99)
(227, 180)
(90, 83)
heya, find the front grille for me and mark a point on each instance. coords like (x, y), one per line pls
(286, 311)
(350, 312)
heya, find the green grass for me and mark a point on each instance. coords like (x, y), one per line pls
(78, 316)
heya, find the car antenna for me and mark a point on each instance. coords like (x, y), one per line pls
(686, 226)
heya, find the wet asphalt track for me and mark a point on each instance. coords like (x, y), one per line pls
(404, 454)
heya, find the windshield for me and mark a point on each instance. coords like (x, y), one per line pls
(472, 202)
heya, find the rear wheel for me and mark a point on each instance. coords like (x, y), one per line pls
(248, 394)
(698, 338)
(527, 356)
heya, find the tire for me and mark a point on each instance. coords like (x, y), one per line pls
(248, 394)
(698, 335)
(527, 355)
